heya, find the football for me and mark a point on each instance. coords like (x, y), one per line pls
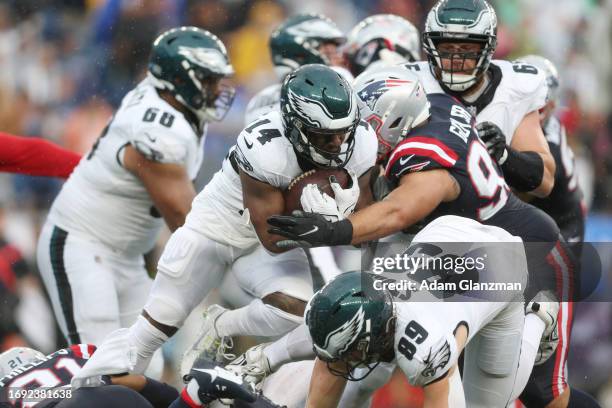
(319, 177)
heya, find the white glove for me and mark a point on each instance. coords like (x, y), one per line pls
(315, 201)
(346, 199)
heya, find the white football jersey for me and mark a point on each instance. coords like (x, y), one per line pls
(268, 99)
(263, 152)
(264, 101)
(102, 199)
(424, 338)
(516, 90)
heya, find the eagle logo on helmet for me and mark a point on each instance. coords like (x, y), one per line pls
(204, 57)
(308, 108)
(338, 341)
(314, 28)
(370, 94)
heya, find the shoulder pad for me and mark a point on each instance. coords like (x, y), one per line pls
(422, 70)
(160, 145)
(419, 153)
(524, 82)
(263, 151)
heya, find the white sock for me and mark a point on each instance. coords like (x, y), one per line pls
(323, 258)
(256, 319)
(294, 346)
(147, 339)
(532, 334)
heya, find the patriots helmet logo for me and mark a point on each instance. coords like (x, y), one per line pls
(370, 94)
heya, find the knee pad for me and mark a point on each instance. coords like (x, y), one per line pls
(498, 355)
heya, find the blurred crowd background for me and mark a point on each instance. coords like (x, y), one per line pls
(66, 64)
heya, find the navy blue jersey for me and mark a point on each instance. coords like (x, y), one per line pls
(55, 371)
(449, 141)
(564, 203)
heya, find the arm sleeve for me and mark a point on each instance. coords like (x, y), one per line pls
(35, 157)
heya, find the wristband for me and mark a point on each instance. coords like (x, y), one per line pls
(342, 232)
(523, 170)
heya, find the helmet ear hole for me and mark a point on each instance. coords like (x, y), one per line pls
(395, 123)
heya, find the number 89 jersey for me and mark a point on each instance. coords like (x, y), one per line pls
(449, 141)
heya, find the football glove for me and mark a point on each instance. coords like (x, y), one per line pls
(494, 139)
(313, 200)
(310, 230)
(346, 198)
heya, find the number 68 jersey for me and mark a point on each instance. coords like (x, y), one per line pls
(104, 201)
(449, 141)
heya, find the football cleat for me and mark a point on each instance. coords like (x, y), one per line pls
(208, 344)
(253, 366)
(546, 307)
(210, 384)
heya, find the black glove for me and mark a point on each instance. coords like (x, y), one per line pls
(494, 139)
(310, 230)
(218, 383)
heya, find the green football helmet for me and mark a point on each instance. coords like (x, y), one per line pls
(296, 42)
(317, 102)
(188, 62)
(350, 321)
(460, 21)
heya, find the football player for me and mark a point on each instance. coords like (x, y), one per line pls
(565, 203)
(381, 39)
(459, 40)
(318, 127)
(302, 39)
(23, 371)
(137, 175)
(353, 323)
(440, 167)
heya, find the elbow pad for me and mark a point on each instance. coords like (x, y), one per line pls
(523, 171)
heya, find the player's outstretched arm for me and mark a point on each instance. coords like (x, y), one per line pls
(35, 157)
(325, 388)
(529, 137)
(417, 195)
(262, 200)
(168, 185)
